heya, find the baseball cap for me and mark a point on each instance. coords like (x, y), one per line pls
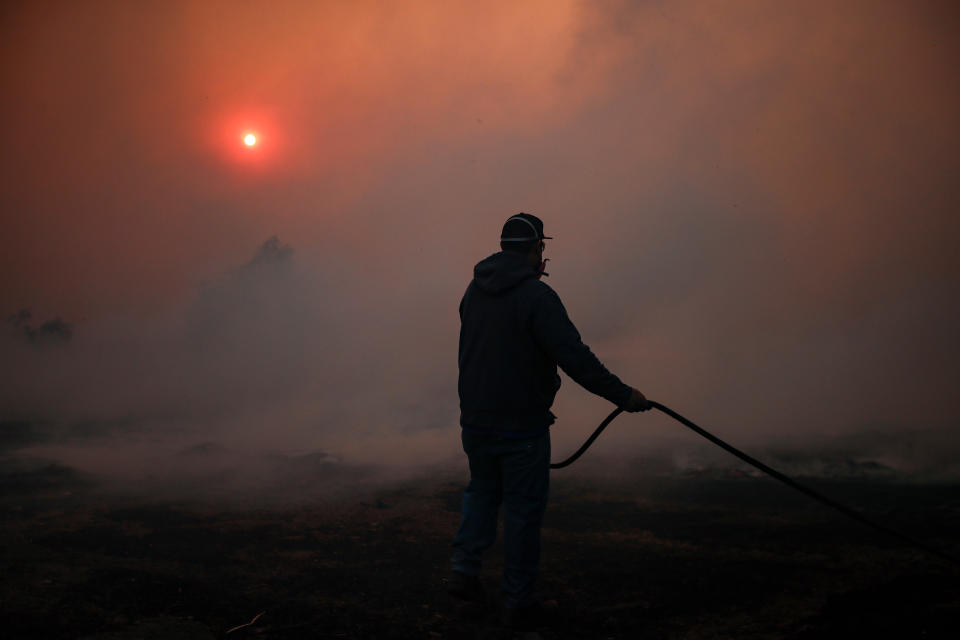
(523, 227)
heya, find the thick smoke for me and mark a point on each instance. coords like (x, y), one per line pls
(271, 385)
(273, 368)
(753, 208)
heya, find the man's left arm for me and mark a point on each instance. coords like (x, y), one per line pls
(555, 333)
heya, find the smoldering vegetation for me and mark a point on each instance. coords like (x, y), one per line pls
(624, 555)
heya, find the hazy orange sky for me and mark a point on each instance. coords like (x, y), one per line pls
(754, 207)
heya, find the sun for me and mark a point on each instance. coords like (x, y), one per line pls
(249, 139)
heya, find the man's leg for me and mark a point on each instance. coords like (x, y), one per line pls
(481, 501)
(526, 479)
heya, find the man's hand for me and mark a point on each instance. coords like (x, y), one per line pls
(637, 402)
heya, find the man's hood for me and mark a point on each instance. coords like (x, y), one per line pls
(501, 271)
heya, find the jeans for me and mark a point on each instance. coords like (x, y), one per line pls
(516, 472)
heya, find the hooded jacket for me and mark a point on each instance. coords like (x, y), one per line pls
(514, 331)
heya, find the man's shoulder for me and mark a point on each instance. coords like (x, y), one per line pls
(537, 291)
(531, 290)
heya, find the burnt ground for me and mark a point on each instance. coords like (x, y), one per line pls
(636, 557)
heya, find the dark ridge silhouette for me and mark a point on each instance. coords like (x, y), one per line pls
(15, 434)
(271, 252)
(54, 331)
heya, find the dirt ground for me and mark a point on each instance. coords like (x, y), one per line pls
(642, 557)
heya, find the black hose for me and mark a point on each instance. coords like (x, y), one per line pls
(847, 511)
(586, 445)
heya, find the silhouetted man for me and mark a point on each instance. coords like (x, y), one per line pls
(514, 331)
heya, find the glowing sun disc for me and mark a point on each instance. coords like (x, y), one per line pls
(249, 139)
